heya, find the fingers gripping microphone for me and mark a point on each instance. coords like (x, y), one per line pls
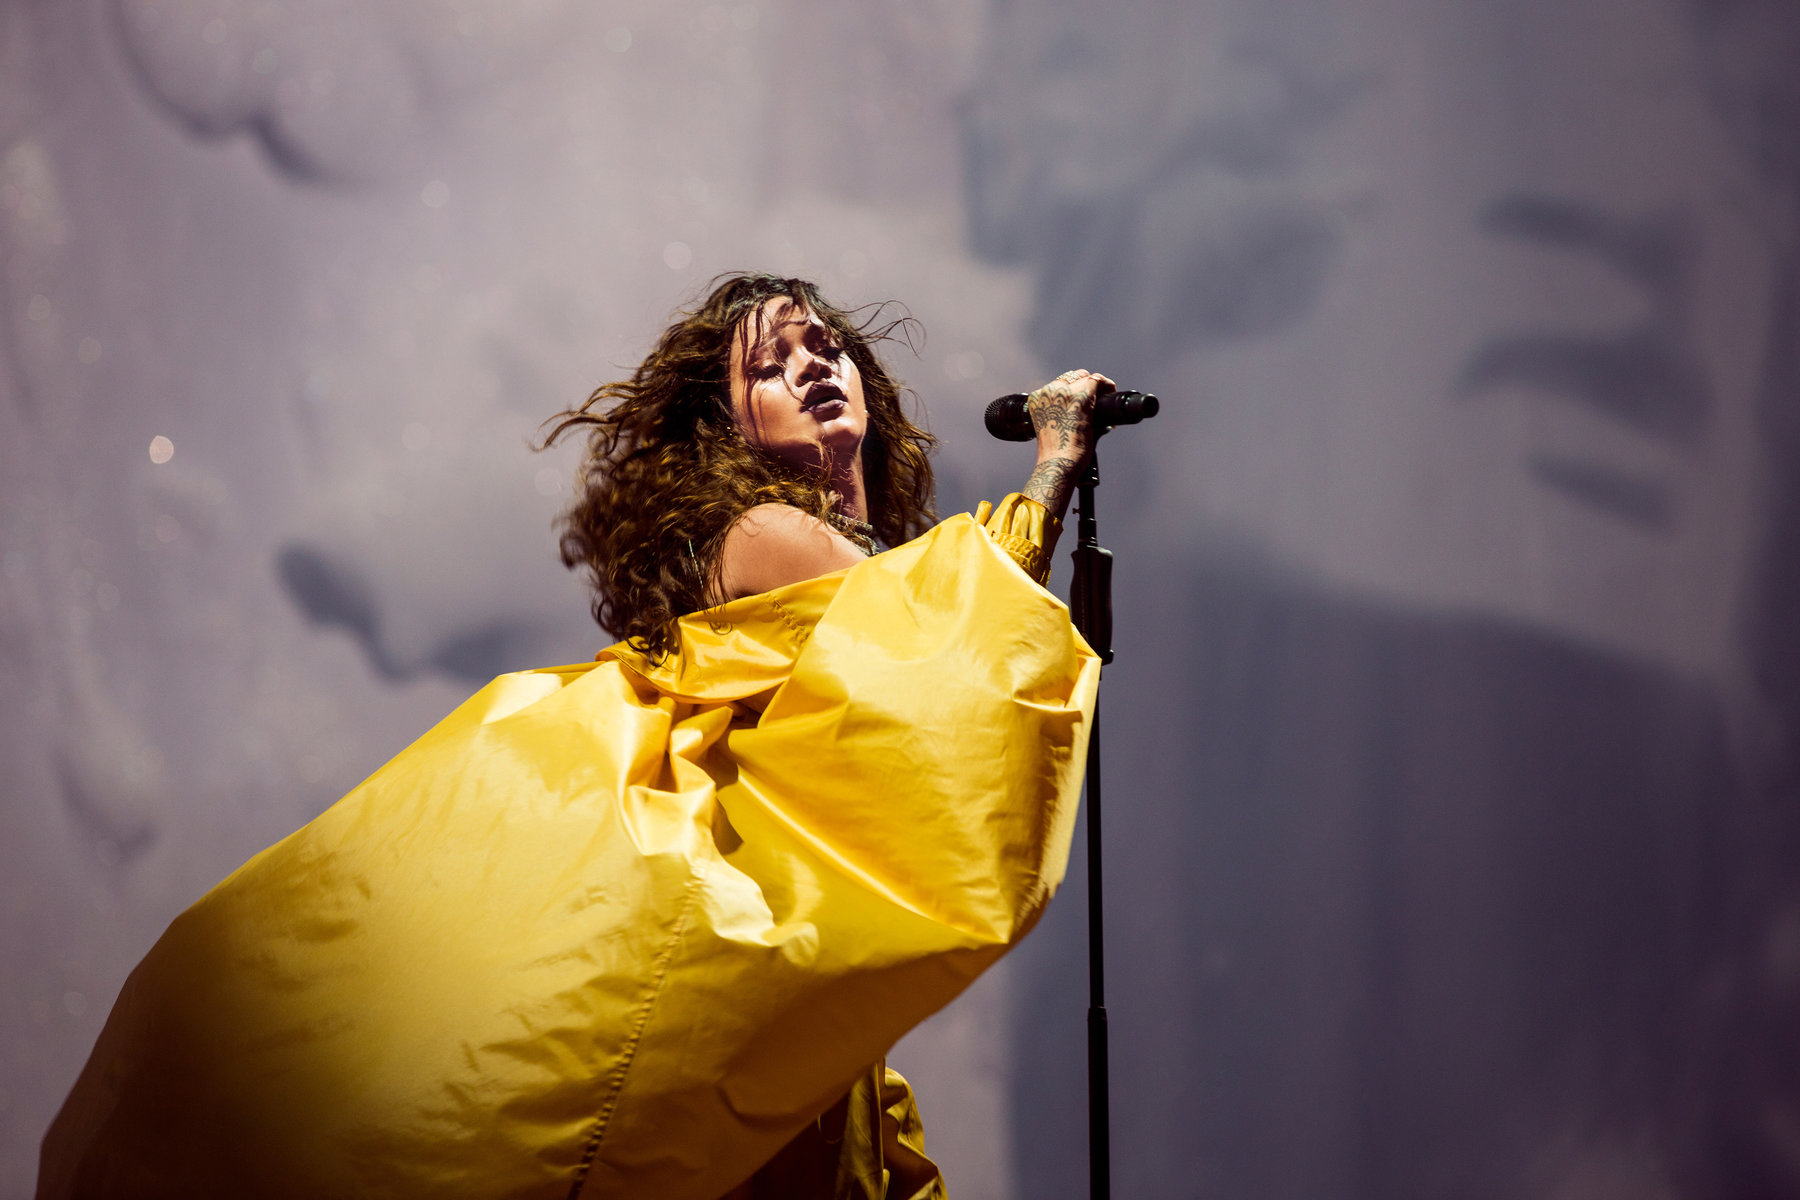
(1009, 418)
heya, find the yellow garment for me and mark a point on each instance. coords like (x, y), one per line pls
(1021, 527)
(870, 1145)
(619, 929)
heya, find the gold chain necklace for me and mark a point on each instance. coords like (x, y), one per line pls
(859, 533)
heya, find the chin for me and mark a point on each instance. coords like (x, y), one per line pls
(841, 435)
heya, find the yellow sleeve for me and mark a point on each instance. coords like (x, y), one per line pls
(1022, 527)
(910, 1174)
(619, 929)
(870, 1145)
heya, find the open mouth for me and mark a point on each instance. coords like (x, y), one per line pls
(821, 395)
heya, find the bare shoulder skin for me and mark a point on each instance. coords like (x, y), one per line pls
(773, 545)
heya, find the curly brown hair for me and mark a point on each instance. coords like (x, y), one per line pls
(667, 471)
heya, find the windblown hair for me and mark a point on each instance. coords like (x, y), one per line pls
(667, 470)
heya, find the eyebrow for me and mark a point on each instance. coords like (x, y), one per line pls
(768, 338)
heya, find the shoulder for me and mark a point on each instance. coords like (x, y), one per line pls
(773, 545)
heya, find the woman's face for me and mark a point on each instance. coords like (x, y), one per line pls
(794, 391)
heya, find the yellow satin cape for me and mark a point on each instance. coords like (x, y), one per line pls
(621, 928)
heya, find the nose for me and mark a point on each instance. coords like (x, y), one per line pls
(808, 366)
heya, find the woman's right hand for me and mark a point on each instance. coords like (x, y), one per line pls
(1062, 412)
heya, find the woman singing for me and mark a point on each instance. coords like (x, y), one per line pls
(646, 927)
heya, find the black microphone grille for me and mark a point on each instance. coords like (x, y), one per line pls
(1009, 419)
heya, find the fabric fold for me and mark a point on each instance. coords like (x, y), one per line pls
(616, 929)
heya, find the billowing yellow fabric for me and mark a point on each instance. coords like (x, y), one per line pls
(618, 929)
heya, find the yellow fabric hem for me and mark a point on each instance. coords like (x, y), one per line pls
(1024, 529)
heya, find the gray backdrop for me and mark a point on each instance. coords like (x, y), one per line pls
(1453, 788)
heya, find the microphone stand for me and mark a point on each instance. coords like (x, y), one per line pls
(1090, 607)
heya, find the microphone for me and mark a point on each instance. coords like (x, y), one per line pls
(1009, 420)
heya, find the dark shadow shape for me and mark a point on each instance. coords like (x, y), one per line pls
(288, 160)
(1149, 265)
(1266, 141)
(1747, 51)
(484, 652)
(1124, 293)
(1640, 378)
(1771, 631)
(1656, 252)
(1428, 894)
(334, 595)
(1631, 498)
(1264, 279)
(115, 841)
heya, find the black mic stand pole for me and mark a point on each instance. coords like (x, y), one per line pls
(1090, 607)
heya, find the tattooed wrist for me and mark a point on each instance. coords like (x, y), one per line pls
(1050, 482)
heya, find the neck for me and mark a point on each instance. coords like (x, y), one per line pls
(847, 482)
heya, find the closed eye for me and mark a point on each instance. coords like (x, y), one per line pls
(820, 341)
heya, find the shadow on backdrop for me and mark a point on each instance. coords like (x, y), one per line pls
(1411, 905)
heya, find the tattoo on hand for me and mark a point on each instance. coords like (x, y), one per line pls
(1050, 482)
(1064, 419)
